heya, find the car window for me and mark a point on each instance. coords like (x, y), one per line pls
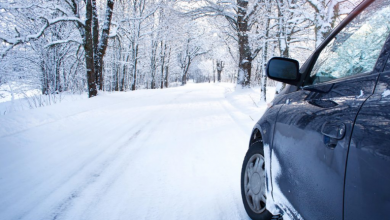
(356, 48)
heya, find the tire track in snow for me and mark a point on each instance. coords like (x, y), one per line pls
(64, 205)
(233, 211)
(92, 176)
(86, 165)
(67, 202)
(122, 163)
(229, 109)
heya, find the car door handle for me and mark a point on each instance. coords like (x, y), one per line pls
(333, 132)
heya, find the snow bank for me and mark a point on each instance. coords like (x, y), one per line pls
(150, 154)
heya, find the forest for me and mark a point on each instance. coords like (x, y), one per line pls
(77, 46)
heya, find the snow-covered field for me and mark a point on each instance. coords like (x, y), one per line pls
(150, 154)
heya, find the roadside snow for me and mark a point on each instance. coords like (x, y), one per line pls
(15, 97)
(151, 154)
(15, 90)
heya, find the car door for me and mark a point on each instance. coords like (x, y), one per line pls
(367, 182)
(314, 126)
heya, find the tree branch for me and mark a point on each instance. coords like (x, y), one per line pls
(63, 42)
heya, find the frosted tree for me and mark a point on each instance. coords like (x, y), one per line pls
(55, 65)
(292, 29)
(131, 44)
(327, 13)
(69, 12)
(240, 16)
(166, 16)
(190, 51)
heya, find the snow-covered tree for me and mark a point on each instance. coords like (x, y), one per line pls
(87, 45)
(47, 14)
(327, 13)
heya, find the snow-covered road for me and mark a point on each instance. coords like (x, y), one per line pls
(150, 154)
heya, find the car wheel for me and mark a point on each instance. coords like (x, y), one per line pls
(253, 188)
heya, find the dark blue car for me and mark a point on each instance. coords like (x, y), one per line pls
(322, 149)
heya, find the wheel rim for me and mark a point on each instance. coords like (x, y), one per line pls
(254, 183)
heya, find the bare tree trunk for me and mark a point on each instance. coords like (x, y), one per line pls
(133, 86)
(162, 55)
(116, 88)
(245, 59)
(281, 34)
(102, 46)
(323, 22)
(135, 57)
(214, 70)
(95, 40)
(184, 78)
(58, 78)
(166, 77)
(88, 48)
(124, 73)
(45, 81)
(220, 67)
(166, 82)
(263, 87)
(283, 38)
(123, 88)
(65, 79)
(95, 49)
(153, 63)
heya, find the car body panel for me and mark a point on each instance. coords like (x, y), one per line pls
(311, 170)
(367, 186)
(266, 124)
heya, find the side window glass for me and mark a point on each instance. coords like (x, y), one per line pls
(356, 48)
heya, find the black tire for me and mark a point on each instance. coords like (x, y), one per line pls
(255, 149)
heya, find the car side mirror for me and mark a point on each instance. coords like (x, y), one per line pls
(283, 70)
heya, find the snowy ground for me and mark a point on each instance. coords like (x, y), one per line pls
(150, 154)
